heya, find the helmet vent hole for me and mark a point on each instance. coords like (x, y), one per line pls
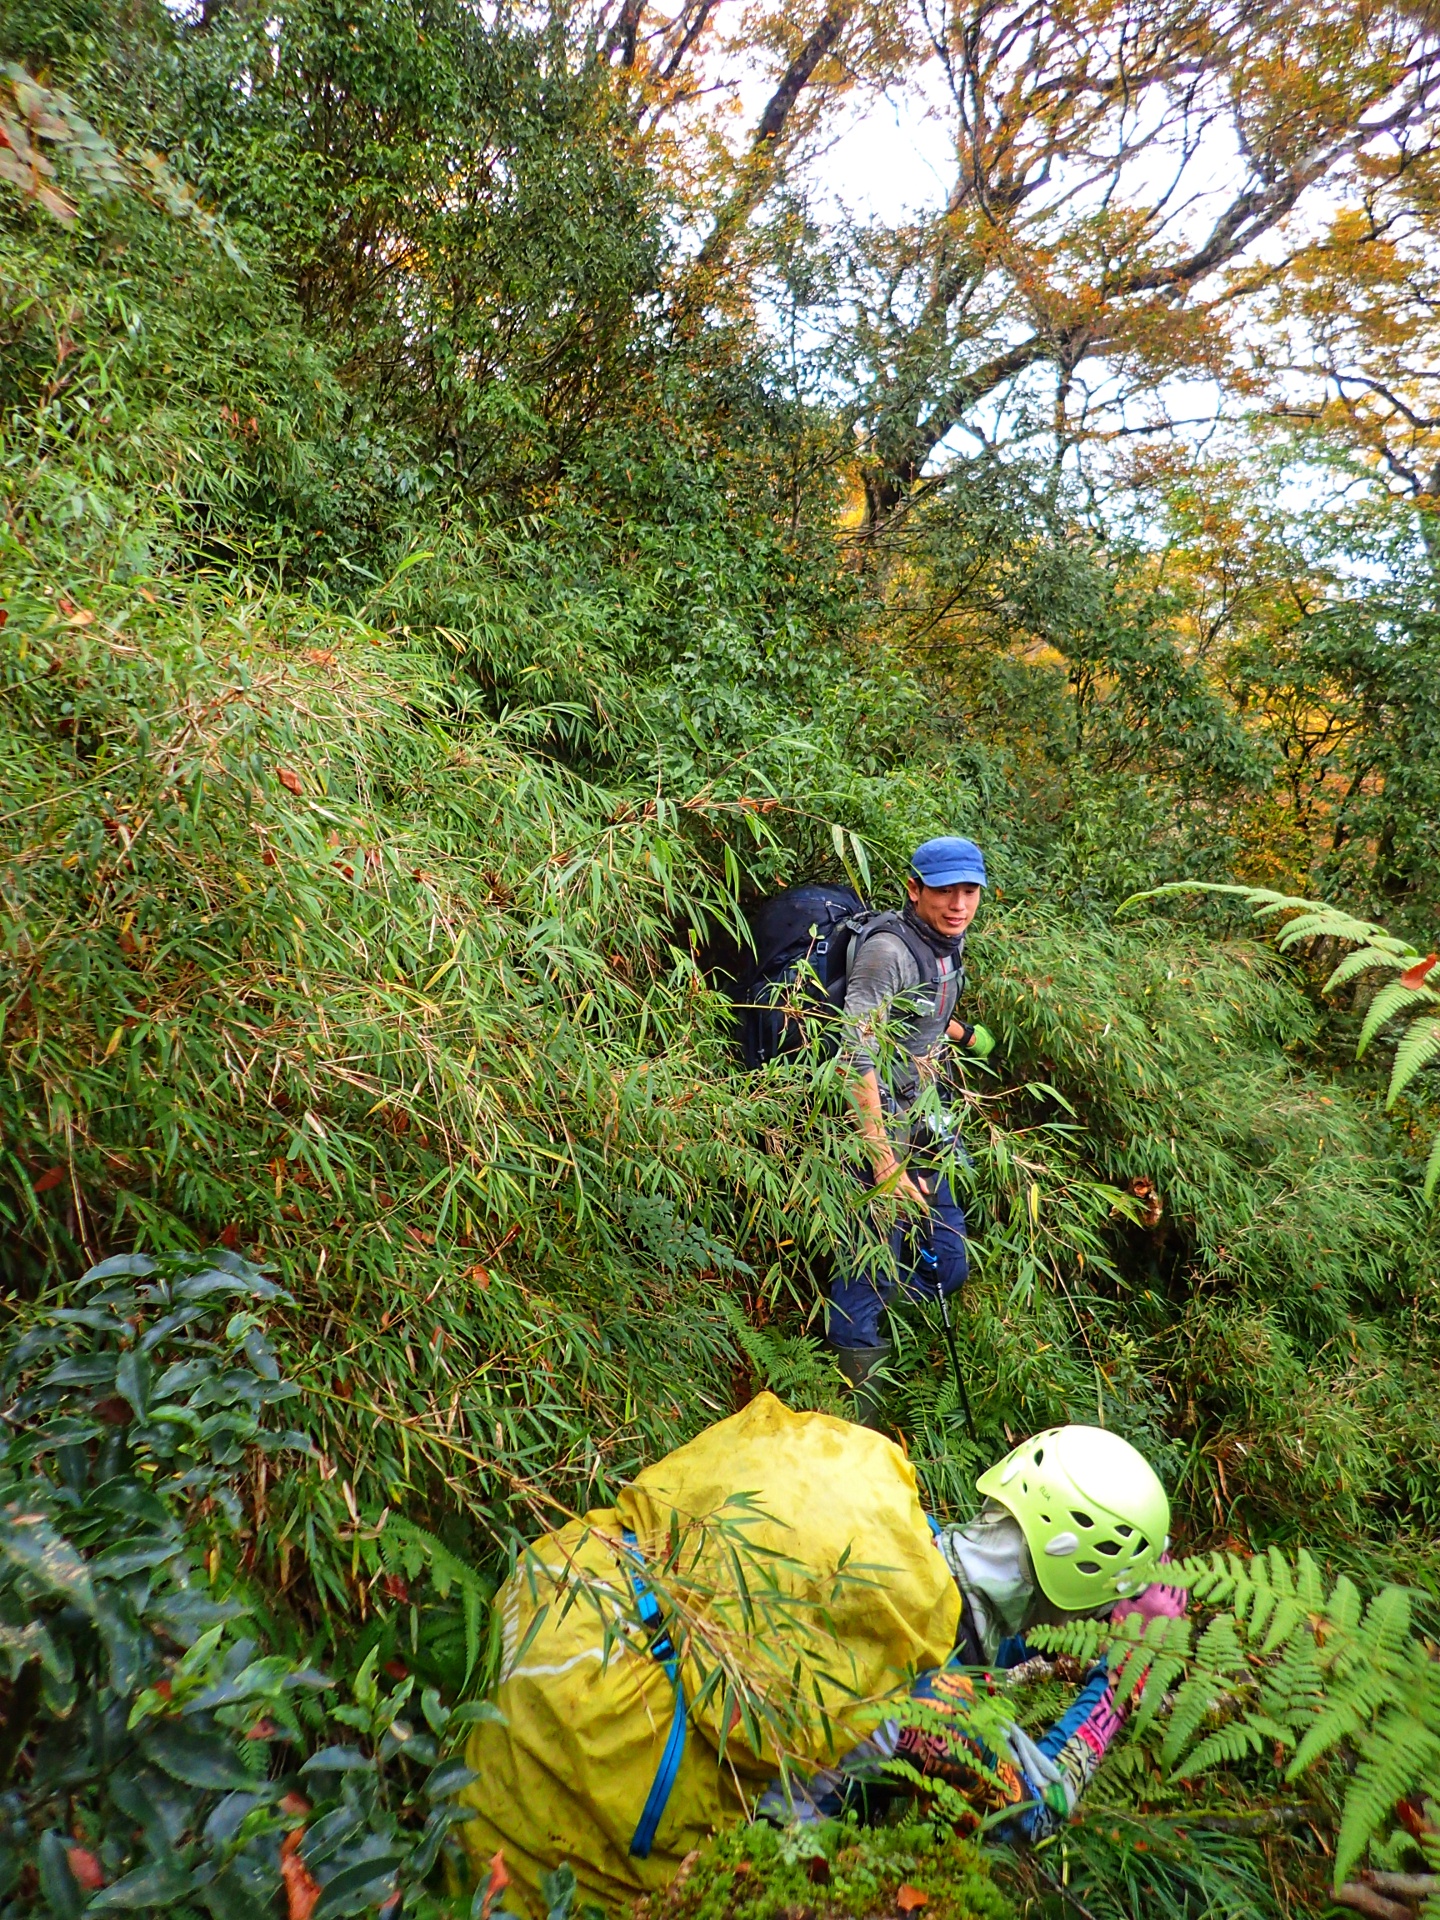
(1087, 1566)
(1045, 1518)
(1081, 1519)
(1123, 1530)
(1111, 1547)
(1142, 1545)
(1039, 1456)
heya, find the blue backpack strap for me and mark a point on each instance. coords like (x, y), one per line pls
(663, 1649)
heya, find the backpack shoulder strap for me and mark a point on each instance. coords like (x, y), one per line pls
(862, 925)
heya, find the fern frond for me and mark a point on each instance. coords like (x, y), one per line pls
(1350, 1711)
(1399, 1755)
(1213, 1578)
(1238, 1741)
(1323, 923)
(1309, 1582)
(446, 1569)
(1081, 1639)
(1387, 1003)
(1286, 1665)
(1252, 896)
(1151, 1655)
(1377, 949)
(1420, 1046)
(1262, 1601)
(1221, 1672)
(1366, 959)
(1288, 1615)
(1432, 1170)
(1157, 1684)
(1344, 1605)
(1294, 1690)
(1386, 1628)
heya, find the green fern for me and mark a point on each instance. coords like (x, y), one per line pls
(1395, 999)
(1419, 1045)
(1324, 1673)
(1432, 1169)
(1366, 959)
(410, 1549)
(792, 1365)
(1221, 1674)
(1287, 1669)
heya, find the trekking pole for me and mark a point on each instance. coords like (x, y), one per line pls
(955, 1368)
(926, 1258)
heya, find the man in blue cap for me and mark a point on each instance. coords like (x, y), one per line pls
(900, 1001)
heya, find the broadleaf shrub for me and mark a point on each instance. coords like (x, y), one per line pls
(153, 1752)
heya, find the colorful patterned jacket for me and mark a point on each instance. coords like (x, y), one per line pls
(1043, 1779)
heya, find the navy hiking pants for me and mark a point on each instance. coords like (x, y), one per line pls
(859, 1294)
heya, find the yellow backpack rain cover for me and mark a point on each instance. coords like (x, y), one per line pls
(789, 1553)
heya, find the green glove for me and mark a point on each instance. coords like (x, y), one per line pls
(982, 1043)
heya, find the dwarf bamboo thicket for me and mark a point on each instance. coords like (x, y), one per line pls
(474, 522)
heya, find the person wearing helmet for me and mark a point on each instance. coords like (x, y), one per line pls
(1075, 1521)
(901, 996)
(1074, 1525)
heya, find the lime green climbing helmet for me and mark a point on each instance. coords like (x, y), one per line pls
(1092, 1510)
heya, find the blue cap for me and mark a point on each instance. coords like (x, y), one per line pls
(949, 863)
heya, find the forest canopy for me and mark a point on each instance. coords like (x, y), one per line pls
(492, 492)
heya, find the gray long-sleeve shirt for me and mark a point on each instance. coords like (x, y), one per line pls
(884, 991)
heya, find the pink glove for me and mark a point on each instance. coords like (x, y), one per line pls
(1151, 1603)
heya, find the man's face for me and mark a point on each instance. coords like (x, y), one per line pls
(948, 909)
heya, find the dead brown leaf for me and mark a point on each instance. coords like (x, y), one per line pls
(302, 1889)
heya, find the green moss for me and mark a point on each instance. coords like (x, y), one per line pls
(824, 1872)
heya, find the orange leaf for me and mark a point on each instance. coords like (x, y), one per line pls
(302, 1889)
(289, 780)
(909, 1898)
(48, 1180)
(88, 1872)
(1415, 976)
(496, 1882)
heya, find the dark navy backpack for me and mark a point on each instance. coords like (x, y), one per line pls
(791, 991)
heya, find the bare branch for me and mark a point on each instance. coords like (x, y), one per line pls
(764, 160)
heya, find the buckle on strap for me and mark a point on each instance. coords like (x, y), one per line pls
(663, 1649)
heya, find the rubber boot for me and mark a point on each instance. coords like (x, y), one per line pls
(859, 1366)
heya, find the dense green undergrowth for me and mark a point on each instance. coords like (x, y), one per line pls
(372, 775)
(836, 1868)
